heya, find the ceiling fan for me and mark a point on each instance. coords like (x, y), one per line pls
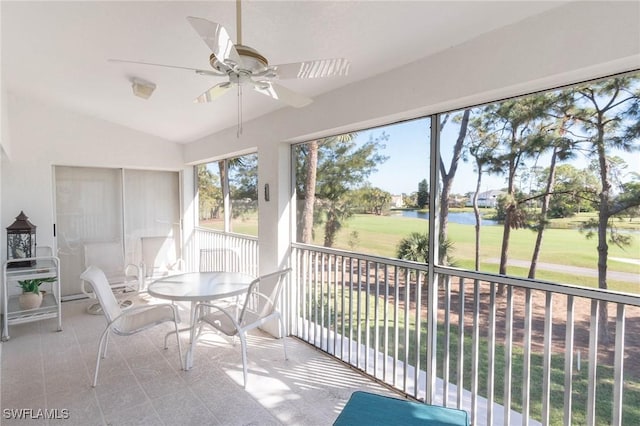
(246, 67)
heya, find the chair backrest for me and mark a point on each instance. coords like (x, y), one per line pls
(98, 280)
(263, 295)
(159, 255)
(108, 256)
(220, 259)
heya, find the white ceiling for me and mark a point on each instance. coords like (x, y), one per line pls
(58, 51)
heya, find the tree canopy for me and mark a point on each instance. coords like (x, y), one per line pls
(339, 166)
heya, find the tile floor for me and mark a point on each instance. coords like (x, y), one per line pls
(140, 383)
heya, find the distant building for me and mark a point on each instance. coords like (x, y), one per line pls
(486, 199)
(396, 202)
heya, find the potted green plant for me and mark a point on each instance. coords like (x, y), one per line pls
(31, 297)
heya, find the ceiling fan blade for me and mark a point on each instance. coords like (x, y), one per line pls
(313, 69)
(214, 92)
(196, 70)
(218, 40)
(281, 93)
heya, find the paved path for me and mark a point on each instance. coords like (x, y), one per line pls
(626, 260)
(576, 270)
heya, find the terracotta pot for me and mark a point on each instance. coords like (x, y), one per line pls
(30, 300)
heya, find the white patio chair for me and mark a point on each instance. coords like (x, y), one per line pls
(159, 258)
(124, 279)
(125, 322)
(258, 308)
(221, 259)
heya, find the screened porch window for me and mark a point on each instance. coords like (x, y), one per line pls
(228, 195)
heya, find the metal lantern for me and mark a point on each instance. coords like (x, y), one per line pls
(21, 242)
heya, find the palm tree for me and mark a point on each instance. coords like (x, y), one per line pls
(609, 112)
(309, 192)
(552, 135)
(331, 171)
(414, 247)
(481, 147)
(514, 122)
(209, 193)
(223, 168)
(562, 149)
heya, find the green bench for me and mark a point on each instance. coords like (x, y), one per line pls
(369, 409)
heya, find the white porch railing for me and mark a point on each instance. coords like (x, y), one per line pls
(531, 351)
(212, 250)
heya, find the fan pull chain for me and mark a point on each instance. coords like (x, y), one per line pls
(239, 131)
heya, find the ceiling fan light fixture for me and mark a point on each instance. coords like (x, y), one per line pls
(249, 53)
(142, 89)
(251, 60)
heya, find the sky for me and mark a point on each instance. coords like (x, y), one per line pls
(408, 162)
(408, 150)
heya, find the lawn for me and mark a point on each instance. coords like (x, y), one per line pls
(246, 224)
(351, 320)
(380, 235)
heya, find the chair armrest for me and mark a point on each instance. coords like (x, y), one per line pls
(135, 309)
(83, 287)
(133, 271)
(201, 306)
(177, 265)
(264, 297)
(131, 267)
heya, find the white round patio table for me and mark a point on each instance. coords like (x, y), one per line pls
(197, 287)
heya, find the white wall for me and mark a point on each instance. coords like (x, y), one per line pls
(5, 136)
(275, 214)
(43, 136)
(575, 42)
(4, 141)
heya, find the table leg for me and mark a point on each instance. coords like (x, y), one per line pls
(188, 359)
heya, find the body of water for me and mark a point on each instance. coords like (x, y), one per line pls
(463, 218)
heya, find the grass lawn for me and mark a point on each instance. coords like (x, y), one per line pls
(246, 224)
(581, 218)
(380, 235)
(604, 389)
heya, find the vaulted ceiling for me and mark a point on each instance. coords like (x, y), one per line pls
(57, 52)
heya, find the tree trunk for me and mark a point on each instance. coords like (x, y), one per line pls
(506, 231)
(476, 212)
(224, 183)
(447, 184)
(603, 220)
(543, 213)
(331, 228)
(310, 193)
